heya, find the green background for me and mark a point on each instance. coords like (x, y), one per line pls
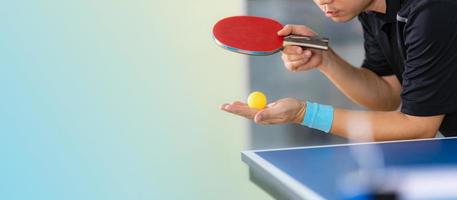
(119, 100)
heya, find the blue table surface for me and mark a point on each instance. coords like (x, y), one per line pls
(319, 168)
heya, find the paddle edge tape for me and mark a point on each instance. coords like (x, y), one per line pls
(245, 52)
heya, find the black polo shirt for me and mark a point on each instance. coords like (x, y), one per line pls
(416, 40)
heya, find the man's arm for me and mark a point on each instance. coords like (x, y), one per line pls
(361, 85)
(377, 125)
(357, 125)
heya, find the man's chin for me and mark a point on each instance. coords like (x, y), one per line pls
(341, 19)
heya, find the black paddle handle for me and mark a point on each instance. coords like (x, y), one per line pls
(306, 41)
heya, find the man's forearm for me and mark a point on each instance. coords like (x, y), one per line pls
(360, 85)
(378, 125)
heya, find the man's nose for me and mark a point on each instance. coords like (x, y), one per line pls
(323, 2)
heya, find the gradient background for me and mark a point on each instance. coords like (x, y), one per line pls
(119, 100)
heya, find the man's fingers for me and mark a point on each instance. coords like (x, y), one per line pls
(238, 103)
(222, 107)
(240, 109)
(271, 121)
(293, 57)
(269, 114)
(296, 30)
(296, 50)
(306, 55)
(290, 50)
(271, 104)
(262, 119)
(293, 66)
(295, 61)
(225, 105)
(302, 30)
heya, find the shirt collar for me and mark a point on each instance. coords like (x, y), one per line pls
(392, 8)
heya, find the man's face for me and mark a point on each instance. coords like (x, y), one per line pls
(342, 10)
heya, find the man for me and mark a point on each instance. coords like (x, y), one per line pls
(410, 59)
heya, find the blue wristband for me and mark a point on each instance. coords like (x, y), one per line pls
(318, 116)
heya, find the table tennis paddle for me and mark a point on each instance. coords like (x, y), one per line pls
(259, 36)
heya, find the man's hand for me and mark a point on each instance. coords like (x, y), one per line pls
(297, 58)
(283, 111)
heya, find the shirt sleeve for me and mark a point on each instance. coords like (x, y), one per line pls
(375, 59)
(430, 76)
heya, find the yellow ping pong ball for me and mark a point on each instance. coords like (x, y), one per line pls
(257, 100)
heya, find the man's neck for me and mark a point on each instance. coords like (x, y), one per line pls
(379, 6)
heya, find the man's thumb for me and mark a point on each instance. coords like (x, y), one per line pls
(265, 114)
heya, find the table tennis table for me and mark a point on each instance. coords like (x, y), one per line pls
(317, 172)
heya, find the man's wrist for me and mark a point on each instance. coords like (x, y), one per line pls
(318, 116)
(327, 59)
(301, 113)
